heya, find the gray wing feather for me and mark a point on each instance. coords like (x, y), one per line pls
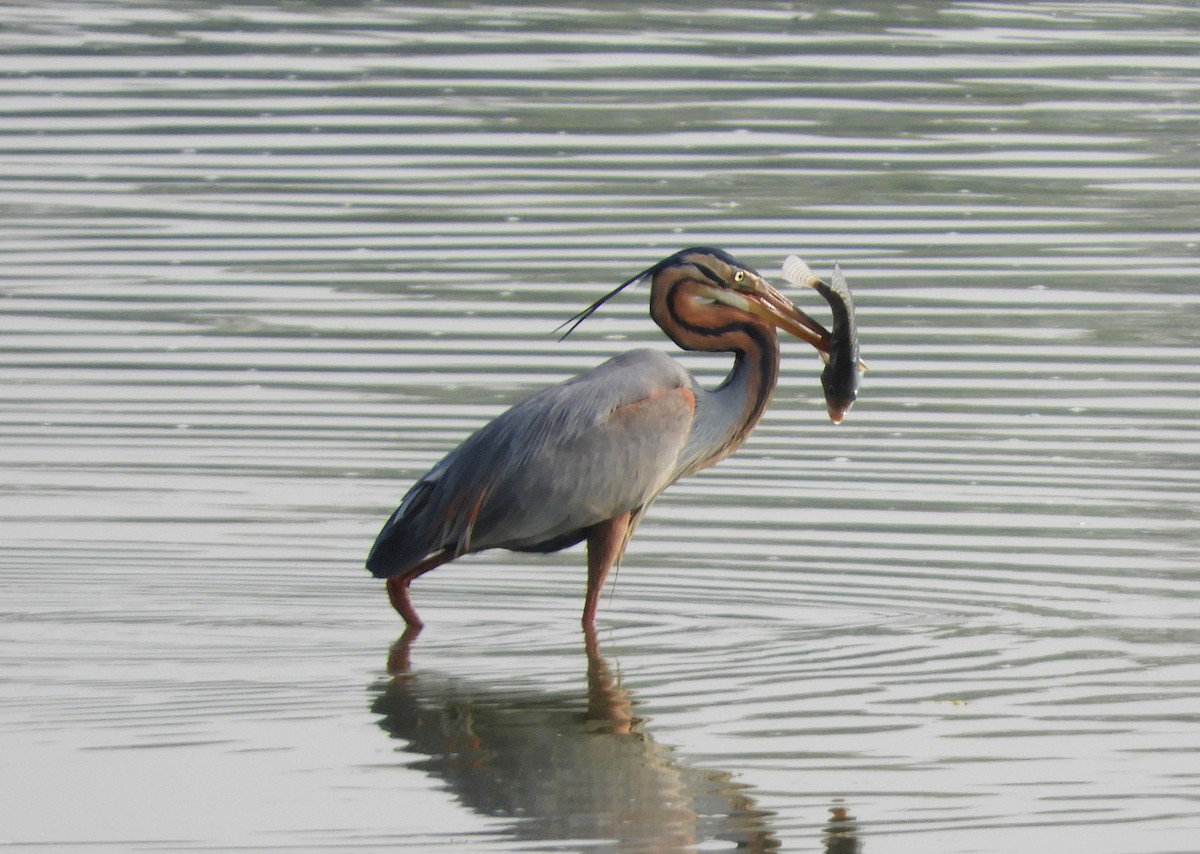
(565, 458)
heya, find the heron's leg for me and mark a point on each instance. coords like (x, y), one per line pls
(604, 544)
(397, 586)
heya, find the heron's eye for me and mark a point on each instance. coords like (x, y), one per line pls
(739, 277)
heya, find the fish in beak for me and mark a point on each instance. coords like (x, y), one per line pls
(843, 367)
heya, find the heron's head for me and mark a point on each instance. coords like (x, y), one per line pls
(715, 276)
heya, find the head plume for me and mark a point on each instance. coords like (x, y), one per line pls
(680, 257)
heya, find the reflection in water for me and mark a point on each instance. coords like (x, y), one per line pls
(564, 766)
(841, 831)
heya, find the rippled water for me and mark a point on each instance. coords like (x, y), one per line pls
(264, 265)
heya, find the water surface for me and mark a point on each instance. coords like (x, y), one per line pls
(265, 265)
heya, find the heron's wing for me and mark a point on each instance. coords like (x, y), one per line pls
(575, 481)
(583, 452)
(567, 457)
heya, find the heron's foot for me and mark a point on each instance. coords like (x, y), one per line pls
(397, 589)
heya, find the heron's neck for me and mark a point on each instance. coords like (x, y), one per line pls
(743, 396)
(726, 415)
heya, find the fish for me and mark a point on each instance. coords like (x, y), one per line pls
(843, 366)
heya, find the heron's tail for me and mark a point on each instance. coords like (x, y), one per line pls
(404, 540)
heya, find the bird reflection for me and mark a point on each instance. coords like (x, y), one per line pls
(568, 766)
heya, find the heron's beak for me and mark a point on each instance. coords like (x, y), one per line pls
(769, 304)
